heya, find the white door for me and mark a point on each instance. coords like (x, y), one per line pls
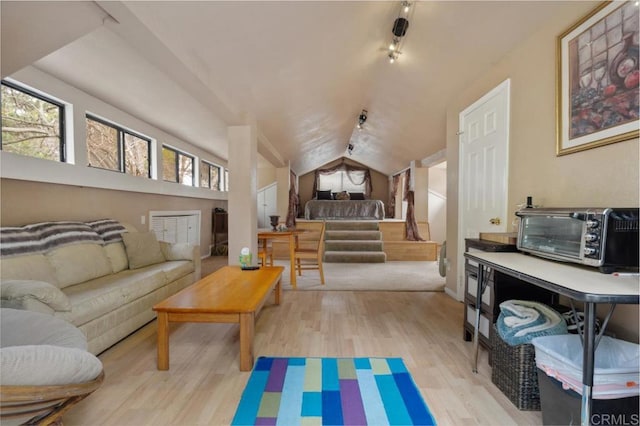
(267, 204)
(484, 166)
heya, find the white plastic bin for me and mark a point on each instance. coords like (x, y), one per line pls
(617, 364)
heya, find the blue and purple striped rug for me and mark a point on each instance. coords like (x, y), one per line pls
(331, 391)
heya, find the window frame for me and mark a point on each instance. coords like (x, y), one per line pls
(220, 172)
(121, 131)
(177, 166)
(45, 98)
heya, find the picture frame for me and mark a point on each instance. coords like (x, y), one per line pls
(597, 85)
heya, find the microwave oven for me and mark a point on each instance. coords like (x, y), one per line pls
(606, 238)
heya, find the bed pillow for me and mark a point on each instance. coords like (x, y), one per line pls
(323, 195)
(142, 249)
(344, 195)
(357, 195)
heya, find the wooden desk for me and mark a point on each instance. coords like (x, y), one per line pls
(579, 283)
(229, 295)
(290, 235)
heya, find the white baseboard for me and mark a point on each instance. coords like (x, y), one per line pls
(451, 294)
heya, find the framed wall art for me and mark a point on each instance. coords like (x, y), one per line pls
(598, 79)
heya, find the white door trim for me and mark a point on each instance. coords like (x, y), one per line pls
(505, 86)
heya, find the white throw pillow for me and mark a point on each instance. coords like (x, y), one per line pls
(142, 249)
(39, 290)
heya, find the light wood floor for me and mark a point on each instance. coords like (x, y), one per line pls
(203, 385)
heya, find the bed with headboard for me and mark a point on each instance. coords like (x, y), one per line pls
(338, 206)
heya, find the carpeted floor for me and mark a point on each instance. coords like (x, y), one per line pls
(332, 391)
(389, 276)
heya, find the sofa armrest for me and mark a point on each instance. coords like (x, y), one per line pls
(183, 251)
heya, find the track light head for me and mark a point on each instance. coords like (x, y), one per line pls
(362, 118)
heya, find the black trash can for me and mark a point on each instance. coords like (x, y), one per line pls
(563, 406)
(616, 381)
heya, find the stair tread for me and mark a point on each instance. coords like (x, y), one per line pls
(355, 257)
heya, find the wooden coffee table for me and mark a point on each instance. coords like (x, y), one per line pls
(229, 295)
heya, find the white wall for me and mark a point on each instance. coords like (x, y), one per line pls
(438, 203)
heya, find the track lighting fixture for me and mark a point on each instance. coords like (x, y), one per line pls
(350, 148)
(362, 118)
(399, 30)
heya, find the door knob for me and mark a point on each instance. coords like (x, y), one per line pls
(494, 221)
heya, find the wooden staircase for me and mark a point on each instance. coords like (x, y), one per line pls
(353, 242)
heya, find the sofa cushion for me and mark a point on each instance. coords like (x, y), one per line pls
(142, 249)
(98, 297)
(117, 256)
(46, 365)
(20, 328)
(79, 263)
(39, 290)
(29, 267)
(177, 269)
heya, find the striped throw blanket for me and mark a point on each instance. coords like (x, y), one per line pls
(522, 320)
(42, 237)
(109, 229)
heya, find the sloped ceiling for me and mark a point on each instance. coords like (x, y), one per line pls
(302, 70)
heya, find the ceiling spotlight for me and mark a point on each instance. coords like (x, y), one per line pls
(406, 5)
(362, 118)
(394, 44)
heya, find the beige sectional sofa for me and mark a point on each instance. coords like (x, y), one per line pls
(102, 276)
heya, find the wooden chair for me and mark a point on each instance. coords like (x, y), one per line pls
(310, 256)
(265, 253)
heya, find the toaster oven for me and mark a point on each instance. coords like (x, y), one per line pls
(606, 238)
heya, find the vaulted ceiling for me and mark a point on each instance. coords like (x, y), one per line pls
(301, 70)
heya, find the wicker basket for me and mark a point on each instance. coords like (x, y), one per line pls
(514, 372)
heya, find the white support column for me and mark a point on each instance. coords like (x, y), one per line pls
(243, 215)
(283, 177)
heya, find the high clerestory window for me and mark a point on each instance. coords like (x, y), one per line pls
(210, 175)
(112, 147)
(32, 123)
(177, 166)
